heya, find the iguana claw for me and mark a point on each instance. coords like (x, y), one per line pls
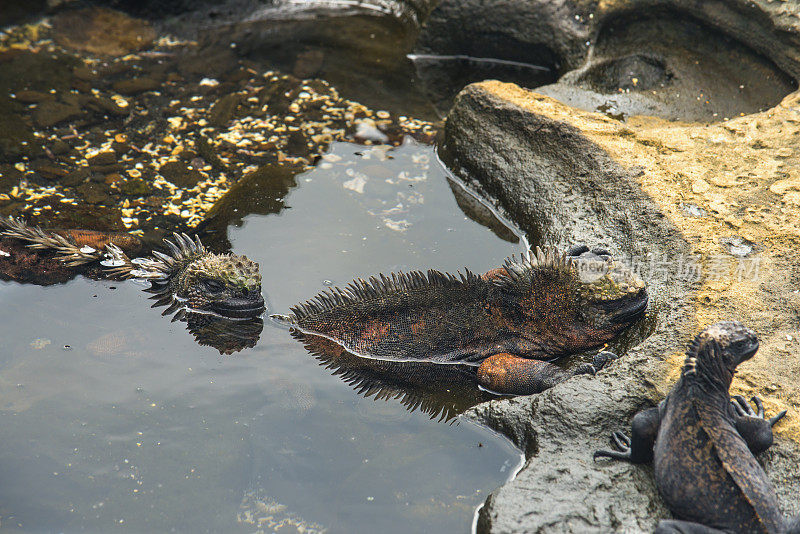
(598, 362)
(777, 418)
(743, 409)
(622, 442)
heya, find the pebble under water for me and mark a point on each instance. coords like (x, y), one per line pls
(114, 418)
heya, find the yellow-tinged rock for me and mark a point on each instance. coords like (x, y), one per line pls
(781, 186)
(700, 186)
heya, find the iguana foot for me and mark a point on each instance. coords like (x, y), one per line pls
(676, 526)
(751, 424)
(744, 409)
(598, 362)
(577, 250)
(623, 444)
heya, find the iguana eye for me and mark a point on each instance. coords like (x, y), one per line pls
(213, 286)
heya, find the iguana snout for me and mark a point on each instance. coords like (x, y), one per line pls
(232, 302)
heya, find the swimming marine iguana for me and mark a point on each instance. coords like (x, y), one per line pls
(188, 278)
(703, 443)
(508, 323)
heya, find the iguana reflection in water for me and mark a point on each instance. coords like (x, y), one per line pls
(218, 296)
(441, 391)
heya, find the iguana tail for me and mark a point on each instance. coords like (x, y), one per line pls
(284, 320)
(70, 252)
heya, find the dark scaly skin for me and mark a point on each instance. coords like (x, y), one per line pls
(191, 279)
(703, 444)
(509, 322)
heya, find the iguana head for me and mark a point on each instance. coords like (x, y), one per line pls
(226, 284)
(609, 292)
(193, 280)
(719, 349)
(576, 301)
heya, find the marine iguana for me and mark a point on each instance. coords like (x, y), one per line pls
(703, 443)
(509, 323)
(200, 287)
(187, 277)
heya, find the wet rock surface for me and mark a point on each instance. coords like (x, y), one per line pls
(240, 9)
(102, 31)
(568, 176)
(672, 65)
(15, 12)
(678, 59)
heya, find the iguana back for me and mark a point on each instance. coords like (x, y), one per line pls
(540, 309)
(714, 479)
(434, 317)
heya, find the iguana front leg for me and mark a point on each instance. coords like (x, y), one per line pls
(638, 448)
(751, 425)
(509, 374)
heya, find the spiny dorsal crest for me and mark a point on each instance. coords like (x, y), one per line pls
(182, 249)
(524, 271)
(690, 363)
(375, 287)
(159, 267)
(70, 252)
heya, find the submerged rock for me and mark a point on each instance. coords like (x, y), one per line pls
(102, 31)
(196, 119)
(567, 176)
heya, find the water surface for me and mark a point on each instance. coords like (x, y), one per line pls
(113, 417)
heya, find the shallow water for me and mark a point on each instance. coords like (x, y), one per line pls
(113, 416)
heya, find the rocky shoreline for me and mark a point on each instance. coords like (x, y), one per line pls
(563, 176)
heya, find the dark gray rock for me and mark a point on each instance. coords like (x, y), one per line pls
(213, 12)
(678, 59)
(561, 188)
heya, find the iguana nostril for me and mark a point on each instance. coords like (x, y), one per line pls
(577, 250)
